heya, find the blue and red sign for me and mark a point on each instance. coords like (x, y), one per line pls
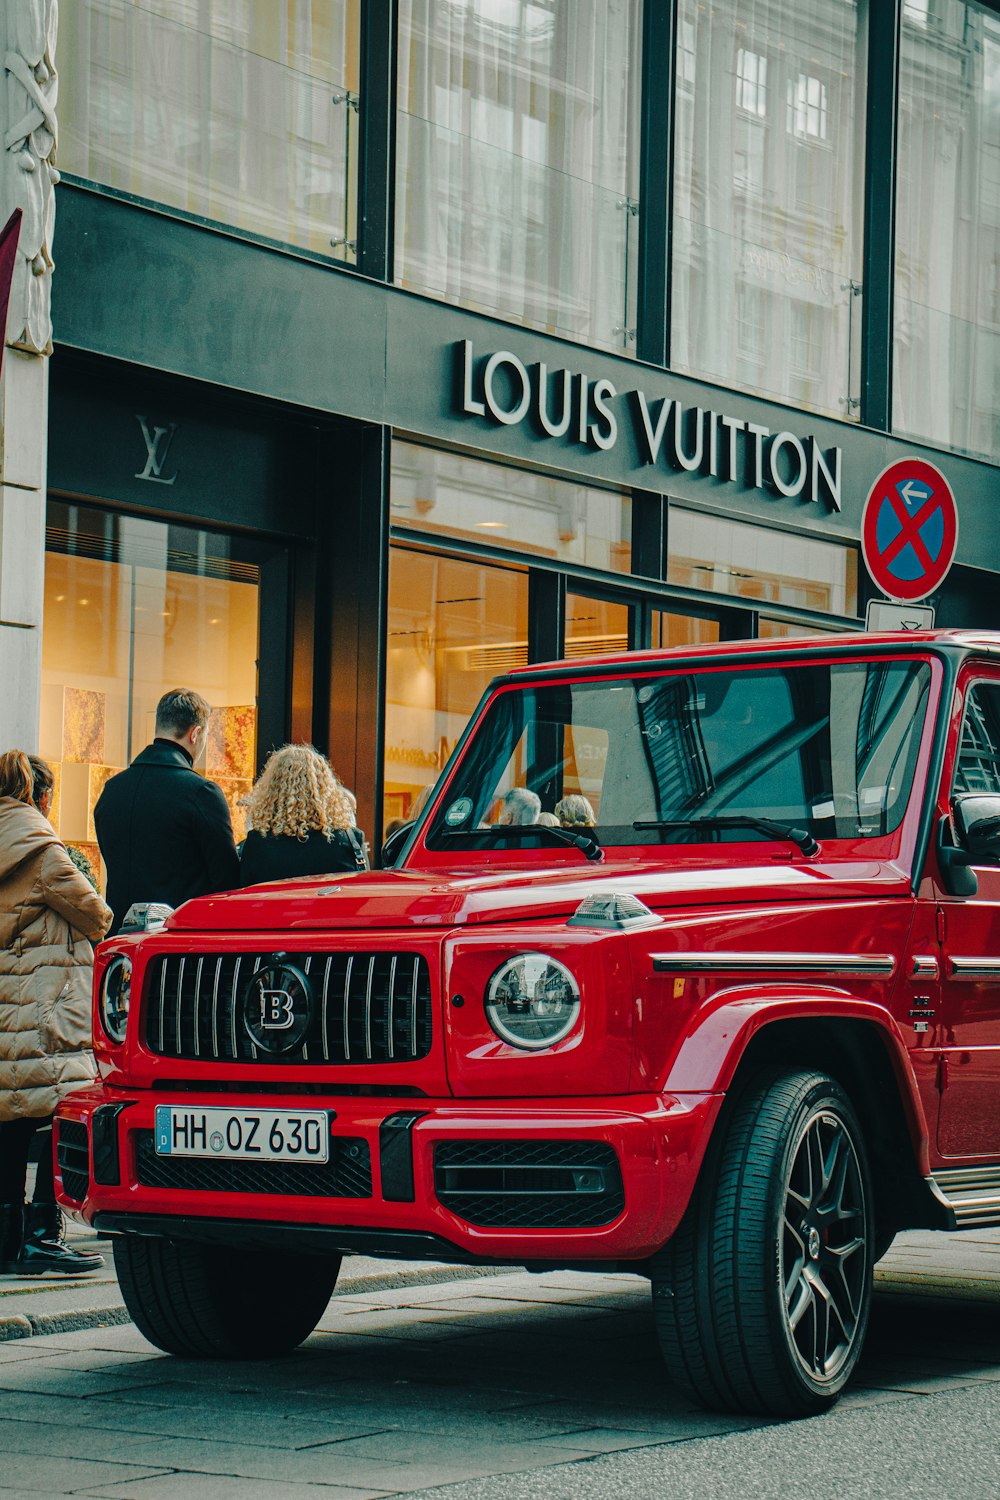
(909, 529)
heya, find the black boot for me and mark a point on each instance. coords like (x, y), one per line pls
(11, 1235)
(45, 1253)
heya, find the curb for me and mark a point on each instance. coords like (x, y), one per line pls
(37, 1325)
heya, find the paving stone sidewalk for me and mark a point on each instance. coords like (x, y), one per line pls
(418, 1386)
(930, 1265)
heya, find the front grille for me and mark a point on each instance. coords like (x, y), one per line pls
(529, 1184)
(366, 1008)
(73, 1156)
(348, 1173)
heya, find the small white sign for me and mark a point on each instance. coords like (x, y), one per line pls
(885, 614)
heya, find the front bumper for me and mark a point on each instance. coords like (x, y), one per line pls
(419, 1178)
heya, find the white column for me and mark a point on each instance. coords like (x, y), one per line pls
(28, 89)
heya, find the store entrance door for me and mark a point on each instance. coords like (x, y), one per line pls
(135, 607)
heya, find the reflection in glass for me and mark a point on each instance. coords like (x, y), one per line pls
(132, 609)
(757, 562)
(517, 172)
(453, 627)
(240, 111)
(769, 162)
(946, 386)
(451, 495)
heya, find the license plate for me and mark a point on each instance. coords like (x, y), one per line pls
(243, 1134)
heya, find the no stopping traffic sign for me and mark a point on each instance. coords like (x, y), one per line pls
(909, 529)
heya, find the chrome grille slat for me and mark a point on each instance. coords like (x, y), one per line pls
(413, 1007)
(233, 997)
(195, 1008)
(215, 1007)
(323, 1015)
(347, 1001)
(368, 1009)
(197, 1005)
(163, 1004)
(392, 987)
(180, 1005)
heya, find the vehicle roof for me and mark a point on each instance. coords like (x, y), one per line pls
(980, 642)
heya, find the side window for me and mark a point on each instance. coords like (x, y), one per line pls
(978, 766)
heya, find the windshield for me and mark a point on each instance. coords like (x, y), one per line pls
(828, 747)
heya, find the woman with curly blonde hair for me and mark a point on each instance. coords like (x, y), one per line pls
(302, 820)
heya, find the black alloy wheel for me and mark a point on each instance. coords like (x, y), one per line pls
(762, 1297)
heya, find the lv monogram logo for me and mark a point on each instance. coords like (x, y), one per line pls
(157, 446)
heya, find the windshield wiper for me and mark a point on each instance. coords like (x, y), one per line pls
(800, 836)
(583, 839)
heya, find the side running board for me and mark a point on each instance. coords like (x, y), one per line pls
(970, 1196)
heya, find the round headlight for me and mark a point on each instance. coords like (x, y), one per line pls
(116, 992)
(532, 1001)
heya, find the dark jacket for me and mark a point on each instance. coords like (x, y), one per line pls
(165, 833)
(282, 857)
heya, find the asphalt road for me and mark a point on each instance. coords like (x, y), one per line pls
(511, 1387)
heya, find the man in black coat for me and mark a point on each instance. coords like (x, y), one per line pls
(164, 831)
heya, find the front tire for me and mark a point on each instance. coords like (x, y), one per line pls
(762, 1297)
(215, 1302)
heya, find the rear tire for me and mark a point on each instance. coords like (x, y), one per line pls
(215, 1302)
(762, 1297)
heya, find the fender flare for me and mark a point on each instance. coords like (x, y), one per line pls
(715, 1043)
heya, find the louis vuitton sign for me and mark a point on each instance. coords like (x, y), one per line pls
(568, 405)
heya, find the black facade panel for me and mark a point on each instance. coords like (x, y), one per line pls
(246, 317)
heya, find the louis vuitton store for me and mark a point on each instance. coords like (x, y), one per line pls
(442, 339)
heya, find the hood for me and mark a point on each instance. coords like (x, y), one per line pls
(403, 898)
(24, 833)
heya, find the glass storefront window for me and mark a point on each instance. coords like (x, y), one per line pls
(682, 630)
(448, 494)
(946, 386)
(758, 562)
(453, 627)
(244, 112)
(769, 165)
(518, 153)
(134, 608)
(595, 627)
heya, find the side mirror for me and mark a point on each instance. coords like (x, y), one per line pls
(955, 864)
(977, 823)
(393, 846)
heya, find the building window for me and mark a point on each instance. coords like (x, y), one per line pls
(807, 108)
(132, 609)
(518, 159)
(749, 322)
(451, 495)
(751, 82)
(758, 205)
(946, 385)
(806, 341)
(244, 112)
(686, 57)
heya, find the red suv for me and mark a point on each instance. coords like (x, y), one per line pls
(734, 1026)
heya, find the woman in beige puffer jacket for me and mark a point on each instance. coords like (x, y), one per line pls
(49, 917)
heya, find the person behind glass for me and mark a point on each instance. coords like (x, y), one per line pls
(575, 811)
(302, 820)
(520, 806)
(49, 917)
(164, 832)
